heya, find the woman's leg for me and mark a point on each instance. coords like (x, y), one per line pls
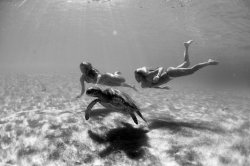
(178, 72)
(186, 62)
(116, 80)
(111, 79)
(82, 79)
(116, 76)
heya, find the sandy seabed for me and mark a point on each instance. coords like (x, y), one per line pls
(42, 124)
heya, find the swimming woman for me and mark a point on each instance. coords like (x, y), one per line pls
(154, 78)
(92, 75)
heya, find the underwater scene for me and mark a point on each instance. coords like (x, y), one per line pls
(124, 82)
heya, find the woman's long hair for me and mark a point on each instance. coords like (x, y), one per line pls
(139, 75)
(88, 70)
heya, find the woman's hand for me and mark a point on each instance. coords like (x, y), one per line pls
(156, 79)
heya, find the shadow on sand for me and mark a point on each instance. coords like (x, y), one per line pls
(102, 112)
(127, 138)
(176, 126)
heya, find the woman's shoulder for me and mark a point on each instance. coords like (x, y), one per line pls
(143, 69)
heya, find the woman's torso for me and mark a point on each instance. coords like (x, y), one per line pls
(151, 73)
(91, 76)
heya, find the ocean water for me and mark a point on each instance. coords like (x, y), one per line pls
(203, 120)
(56, 35)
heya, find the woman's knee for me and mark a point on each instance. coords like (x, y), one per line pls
(178, 72)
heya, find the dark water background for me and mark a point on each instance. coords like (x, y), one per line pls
(54, 36)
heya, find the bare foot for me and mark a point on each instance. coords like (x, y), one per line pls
(186, 44)
(212, 62)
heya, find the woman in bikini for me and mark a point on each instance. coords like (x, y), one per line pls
(154, 78)
(92, 75)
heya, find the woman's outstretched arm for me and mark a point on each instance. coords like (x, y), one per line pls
(158, 75)
(83, 87)
(98, 79)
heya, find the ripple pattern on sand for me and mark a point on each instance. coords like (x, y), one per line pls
(42, 124)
